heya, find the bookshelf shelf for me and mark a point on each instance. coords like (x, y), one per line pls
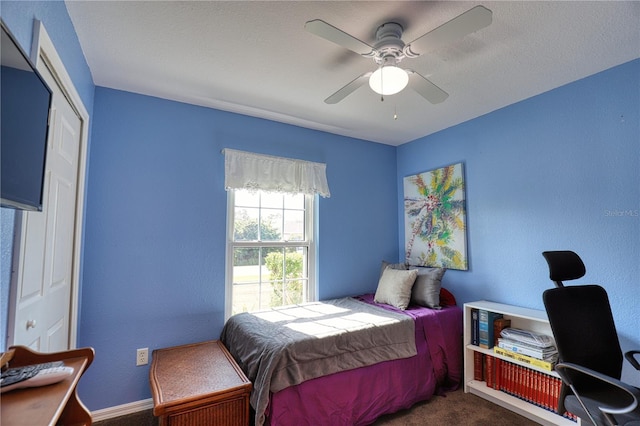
(524, 318)
(490, 352)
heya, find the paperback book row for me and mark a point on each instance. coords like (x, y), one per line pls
(519, 381)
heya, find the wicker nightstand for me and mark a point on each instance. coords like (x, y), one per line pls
(198, 384)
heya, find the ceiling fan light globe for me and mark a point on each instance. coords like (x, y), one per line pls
(388, 80)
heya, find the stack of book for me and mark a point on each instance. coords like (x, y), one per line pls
(527, 347)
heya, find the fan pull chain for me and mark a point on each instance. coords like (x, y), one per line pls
(381, 84)
(395, 112)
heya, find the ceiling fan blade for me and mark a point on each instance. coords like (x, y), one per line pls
(470, 21)
(425, 88)
(348, 89)
(337, 36)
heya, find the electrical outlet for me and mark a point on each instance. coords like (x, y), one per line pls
(142, 356)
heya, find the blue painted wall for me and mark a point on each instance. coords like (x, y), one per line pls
(557, 171)
(155, 226)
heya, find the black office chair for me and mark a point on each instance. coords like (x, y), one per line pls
(590, 358)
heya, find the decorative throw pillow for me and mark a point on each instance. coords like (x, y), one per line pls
(426, 290)
(447, 298)
(399, 266)
(394, 287)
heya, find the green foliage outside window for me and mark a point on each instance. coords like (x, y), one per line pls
(246, 229)
(285, 266)
(286, 285)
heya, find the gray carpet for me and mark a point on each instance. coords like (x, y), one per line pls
(455, 408)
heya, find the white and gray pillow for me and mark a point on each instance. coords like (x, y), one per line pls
(394, 287)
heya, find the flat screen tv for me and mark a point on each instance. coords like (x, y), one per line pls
(24, 125)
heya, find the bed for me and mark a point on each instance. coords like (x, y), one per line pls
(345, 361)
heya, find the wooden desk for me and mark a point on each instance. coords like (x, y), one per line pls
(56, 404)
(199, 384)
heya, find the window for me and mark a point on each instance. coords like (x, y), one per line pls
(270, 250)
(270, 229)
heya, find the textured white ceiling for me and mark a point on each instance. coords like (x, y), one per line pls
(255, 58)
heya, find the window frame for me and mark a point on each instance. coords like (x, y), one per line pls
(310, 203)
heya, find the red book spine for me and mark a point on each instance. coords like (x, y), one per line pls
(499, 324)
(521, 374)
(545, 392)
(534, 387)
(525, 384)
(477, 366)
(548, 393)
(556, 393)
(529, 386)
(498, 369)
(505, 377)
(532, 383)
(489, 360)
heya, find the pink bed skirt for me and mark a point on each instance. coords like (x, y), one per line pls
(360, 396)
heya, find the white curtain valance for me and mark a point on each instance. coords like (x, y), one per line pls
(246, 170)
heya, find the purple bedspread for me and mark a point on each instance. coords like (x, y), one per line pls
(360, 396)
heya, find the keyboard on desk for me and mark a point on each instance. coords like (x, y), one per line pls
(18, 374)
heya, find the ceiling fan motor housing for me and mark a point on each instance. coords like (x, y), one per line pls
(389, 45)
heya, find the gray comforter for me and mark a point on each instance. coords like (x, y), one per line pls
(285, 346)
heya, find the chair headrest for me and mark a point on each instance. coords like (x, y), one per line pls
(564, 265)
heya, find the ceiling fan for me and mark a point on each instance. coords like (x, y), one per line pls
(389, 50)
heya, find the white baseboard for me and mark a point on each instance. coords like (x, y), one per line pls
(121, 410)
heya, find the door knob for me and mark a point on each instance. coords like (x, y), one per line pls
(31, 324)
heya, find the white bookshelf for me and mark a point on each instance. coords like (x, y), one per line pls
(524, 318)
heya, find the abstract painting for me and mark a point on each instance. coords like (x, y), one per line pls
(435, 218)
